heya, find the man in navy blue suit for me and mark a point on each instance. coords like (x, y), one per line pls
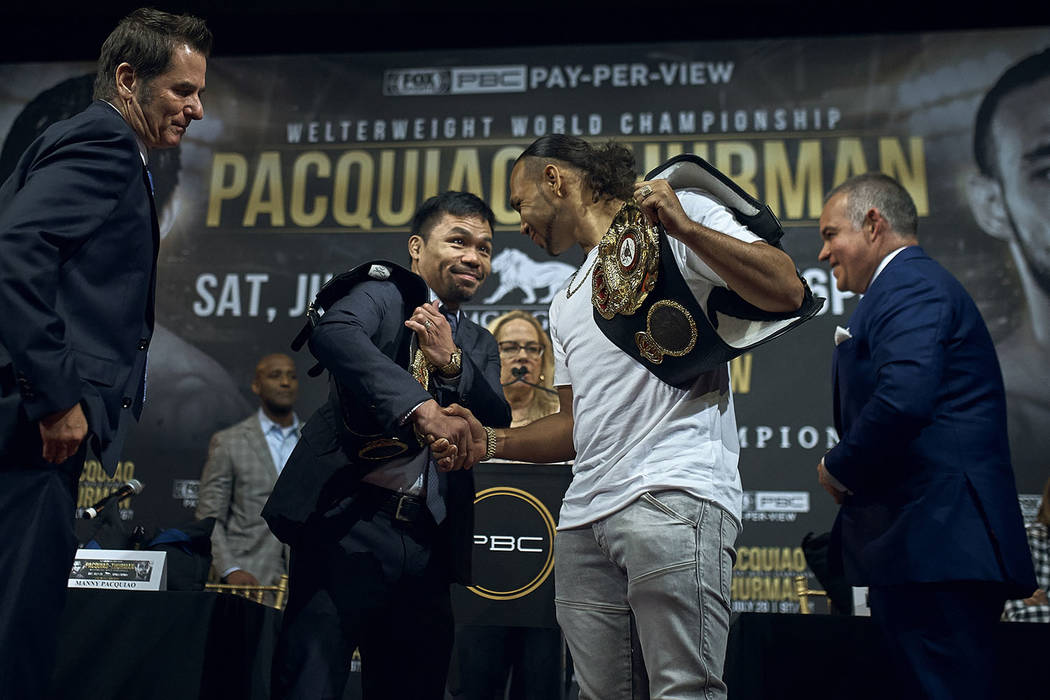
(78, 251)
(929, 517)
(376, 533)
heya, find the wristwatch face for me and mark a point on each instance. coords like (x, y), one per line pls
(454, 364)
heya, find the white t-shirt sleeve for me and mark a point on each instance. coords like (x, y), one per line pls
(704, 210)
(561, 370)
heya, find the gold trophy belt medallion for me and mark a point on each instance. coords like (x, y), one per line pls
(669, 330)
(627, 263)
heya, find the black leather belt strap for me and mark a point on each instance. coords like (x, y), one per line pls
(401, 507)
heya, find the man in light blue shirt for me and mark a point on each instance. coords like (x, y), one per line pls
(243, 463)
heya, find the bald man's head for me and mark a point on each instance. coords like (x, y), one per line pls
(277, 385)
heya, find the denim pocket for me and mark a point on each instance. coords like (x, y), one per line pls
(676, 504)
(727, 558)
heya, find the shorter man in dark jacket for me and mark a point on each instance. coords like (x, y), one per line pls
(377, 533)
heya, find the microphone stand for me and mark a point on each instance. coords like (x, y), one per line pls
(519, 376)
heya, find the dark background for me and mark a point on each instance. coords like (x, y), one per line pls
(66, 30)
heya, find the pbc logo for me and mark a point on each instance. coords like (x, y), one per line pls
(517, 560)
(776, 502)
(782, 501)
(417, 81)
(509, 543)
(480, 79)
(467, 80)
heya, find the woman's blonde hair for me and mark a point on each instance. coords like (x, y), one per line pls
(543, 403)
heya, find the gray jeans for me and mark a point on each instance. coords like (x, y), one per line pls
(664, 564)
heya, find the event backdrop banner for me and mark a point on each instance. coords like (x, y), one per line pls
(308, 164)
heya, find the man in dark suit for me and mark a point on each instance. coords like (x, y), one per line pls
(78, 247)
(929, 517)
(377, 540)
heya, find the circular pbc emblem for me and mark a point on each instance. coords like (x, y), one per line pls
(513, 543)
(627, 250)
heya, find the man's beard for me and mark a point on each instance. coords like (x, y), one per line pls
(454, 292)
(548, 236)
(280, 409)
(458, 295)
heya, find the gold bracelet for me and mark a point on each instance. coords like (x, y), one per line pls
(490, 443)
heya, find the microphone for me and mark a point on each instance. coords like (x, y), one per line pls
(519, 376)
(132, 488)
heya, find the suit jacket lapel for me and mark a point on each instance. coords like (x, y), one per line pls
(466, 334)
(835, 391)
(259, 446)
(155, 233)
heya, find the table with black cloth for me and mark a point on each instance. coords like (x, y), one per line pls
(161, 645)
(813, 657)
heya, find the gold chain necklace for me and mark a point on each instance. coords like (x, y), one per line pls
(569, 291)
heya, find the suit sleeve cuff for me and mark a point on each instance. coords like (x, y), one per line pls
(408, 416)
(834, 480)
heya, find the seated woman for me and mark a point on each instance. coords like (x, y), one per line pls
(526, 366)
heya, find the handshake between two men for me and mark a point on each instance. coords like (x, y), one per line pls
(466, 443)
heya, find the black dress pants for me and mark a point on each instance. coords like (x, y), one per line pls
(37, 545)
(940, 638)
(381, 587)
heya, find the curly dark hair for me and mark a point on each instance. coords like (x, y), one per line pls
(608, 168)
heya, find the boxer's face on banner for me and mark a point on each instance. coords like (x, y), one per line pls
(1021, 133)
(455, 257)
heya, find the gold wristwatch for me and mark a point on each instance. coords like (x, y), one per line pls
(454, 366)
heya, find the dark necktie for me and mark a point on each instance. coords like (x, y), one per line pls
(435, 480)
(433, 490)
(452, 317)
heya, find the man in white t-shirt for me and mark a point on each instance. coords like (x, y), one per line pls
(645, 540)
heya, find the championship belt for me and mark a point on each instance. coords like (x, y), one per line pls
(691, 171)
(644, 306)
(361, 434)
(626, 268)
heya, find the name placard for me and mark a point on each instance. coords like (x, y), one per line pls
(119, 569)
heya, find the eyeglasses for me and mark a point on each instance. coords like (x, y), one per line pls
(510, 349)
